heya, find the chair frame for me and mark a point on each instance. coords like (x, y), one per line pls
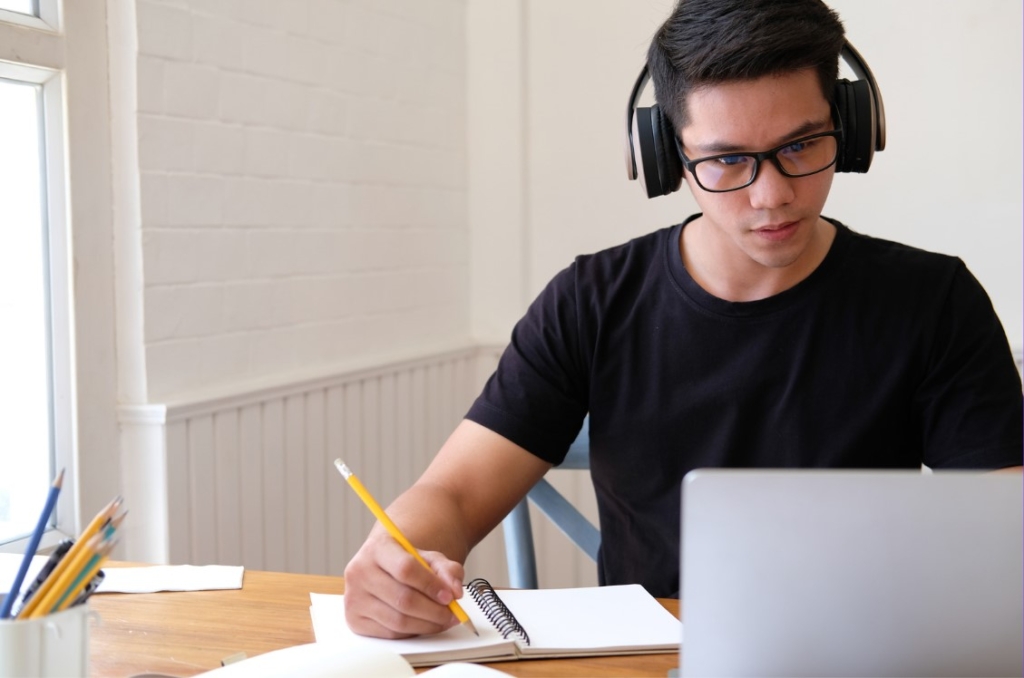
(517, 527)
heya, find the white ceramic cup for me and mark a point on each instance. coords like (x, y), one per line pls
(50, 646)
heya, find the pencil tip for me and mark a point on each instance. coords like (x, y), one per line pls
(60, 479)
(469, 623)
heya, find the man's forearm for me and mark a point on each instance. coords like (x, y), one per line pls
(431, 520)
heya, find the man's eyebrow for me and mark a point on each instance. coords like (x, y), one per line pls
(809, 127)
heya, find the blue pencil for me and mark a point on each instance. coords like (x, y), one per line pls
(33, 544)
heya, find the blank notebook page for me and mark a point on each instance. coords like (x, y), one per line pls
(612, 618)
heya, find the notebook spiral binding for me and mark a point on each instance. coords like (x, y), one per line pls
(495, 610)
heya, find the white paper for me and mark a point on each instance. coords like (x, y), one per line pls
(463, 670)
(327, 612)
(9, 564)
(320, 660)
(171, 578)
(604, 619)
(587, 621)
(316, 660)
(149, 579)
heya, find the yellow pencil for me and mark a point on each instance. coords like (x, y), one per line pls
(49, 599)
(76, 556)
(396, 534)
(80, 574)
(85, 576)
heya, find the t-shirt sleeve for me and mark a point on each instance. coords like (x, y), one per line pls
(970, 399)
(537, 396)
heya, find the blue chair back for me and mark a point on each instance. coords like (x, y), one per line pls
(519, 549)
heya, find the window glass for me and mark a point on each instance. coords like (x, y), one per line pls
(25, 379)
(20, 6)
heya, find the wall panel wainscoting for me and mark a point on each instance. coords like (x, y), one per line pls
(249, 477)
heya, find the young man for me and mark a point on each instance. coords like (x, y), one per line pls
(757, 334)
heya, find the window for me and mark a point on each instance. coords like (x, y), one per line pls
(20, 6)
(39, 14)
(26, 440)
(35, 357)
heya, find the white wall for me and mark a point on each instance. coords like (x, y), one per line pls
(303, 187)
(950, 179)
(950, 73)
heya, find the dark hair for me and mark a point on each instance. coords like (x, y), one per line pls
(708, 42)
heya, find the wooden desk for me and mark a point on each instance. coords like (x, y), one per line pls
(182, 634)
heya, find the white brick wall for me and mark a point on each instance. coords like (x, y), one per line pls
(303, 185)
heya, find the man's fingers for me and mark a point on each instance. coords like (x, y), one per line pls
(394, 610)
(439, 586)
(390, 594)
(378, 618)
(449, 571)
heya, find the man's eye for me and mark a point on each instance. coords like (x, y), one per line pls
(732, 160)
(798, 147)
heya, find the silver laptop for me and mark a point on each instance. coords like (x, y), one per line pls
(851, 573)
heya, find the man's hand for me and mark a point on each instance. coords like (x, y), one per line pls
(388, 594)
(473, 482)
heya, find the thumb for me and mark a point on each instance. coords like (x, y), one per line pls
(449, 571)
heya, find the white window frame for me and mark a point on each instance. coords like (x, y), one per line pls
(47, 20)
(47, 72)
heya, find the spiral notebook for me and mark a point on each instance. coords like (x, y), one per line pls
(525, 624)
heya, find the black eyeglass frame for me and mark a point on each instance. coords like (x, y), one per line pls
(771, 155)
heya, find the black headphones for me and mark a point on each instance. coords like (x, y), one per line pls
(858, 105)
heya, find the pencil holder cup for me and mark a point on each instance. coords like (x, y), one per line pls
(54, 645)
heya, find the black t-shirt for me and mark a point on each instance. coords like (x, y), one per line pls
(885, 356)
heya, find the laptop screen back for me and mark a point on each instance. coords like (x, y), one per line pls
(866, 573)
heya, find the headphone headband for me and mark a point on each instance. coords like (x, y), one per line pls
(634, 97)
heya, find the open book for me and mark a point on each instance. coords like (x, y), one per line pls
(319, 660)
(323, 661)
(525, 624)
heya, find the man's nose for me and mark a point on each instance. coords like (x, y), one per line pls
(771, 188)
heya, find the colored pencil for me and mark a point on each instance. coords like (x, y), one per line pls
(81, 561)
(87, 573)
(74, 558)
(33, 545)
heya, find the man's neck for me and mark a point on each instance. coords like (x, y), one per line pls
(723, 271)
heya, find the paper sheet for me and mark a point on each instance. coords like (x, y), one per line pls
(171, 578)
(9, 564)
(148, 579)
(574, 622)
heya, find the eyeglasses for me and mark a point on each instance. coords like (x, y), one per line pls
(733, 171)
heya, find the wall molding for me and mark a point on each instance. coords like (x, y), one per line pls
(142, 433)
(247, 393)
(243, 477)
(142, 414)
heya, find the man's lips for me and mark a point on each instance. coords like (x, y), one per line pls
(778, 231)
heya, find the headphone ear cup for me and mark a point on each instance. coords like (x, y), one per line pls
(669, 162)
(856, 109)
(660, 162)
